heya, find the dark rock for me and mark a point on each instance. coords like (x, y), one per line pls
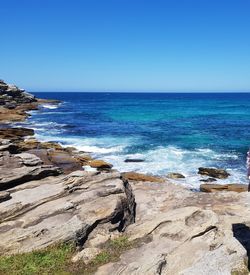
(213, 172)
(133, 160)
(209, 180)
(15, 133)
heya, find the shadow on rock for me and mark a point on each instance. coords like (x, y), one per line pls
(242, 234)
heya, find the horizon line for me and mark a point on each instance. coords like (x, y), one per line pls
(141, 91)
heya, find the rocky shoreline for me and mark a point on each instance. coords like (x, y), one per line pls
(48, 195)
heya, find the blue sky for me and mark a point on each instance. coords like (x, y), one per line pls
(126, 45)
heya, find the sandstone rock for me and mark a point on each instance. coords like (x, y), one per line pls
(173, 223)
(29, 159)
(223, 187)
(16, 176)
(64, 208)
(175, 176)
(213, 172)
(84, 158)
(100, 164)
(64, 160)
(140, 177)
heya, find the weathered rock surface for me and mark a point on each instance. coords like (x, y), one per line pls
(223, 187)
(140, 177)
(64, 208)
(20, 168)
(184, 232)
(213, 172)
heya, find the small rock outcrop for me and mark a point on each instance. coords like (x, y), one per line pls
(133, 176)
(223, 187)
(213, 172)
(11, 96)
(100, 164)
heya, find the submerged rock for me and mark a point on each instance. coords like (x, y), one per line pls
(175, 176)
(134, 160)
(213, 172)
(209, 180)
(223, 187)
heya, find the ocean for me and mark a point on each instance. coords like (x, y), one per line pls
(170, 132)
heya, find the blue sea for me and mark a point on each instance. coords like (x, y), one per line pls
(171, 132)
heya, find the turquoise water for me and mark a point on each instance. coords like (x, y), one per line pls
(170, 132)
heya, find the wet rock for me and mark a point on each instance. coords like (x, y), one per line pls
(140, 177)
(213, 172)
(64, 160)
(134, 160)
(209, 180)
(175, 176)
(223, 187)
(100, 164)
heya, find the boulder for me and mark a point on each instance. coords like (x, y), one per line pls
(100, 164)
(213, 172)
(133, 176)
(223, 187)
(175, 176)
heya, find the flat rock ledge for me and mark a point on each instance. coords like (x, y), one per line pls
(64, 208)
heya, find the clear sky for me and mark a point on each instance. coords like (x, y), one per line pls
(108, 45)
